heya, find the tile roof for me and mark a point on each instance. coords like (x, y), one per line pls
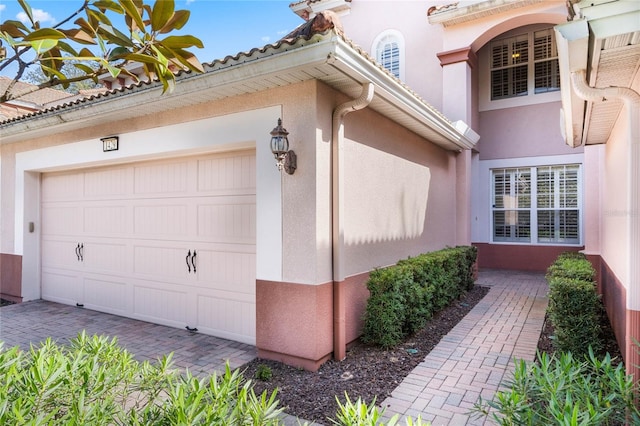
(298, 38)
(36, 96)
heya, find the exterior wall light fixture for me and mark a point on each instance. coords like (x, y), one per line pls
(109, 143)
(285, 158)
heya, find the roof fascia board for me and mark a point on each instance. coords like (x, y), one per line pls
(393, 92)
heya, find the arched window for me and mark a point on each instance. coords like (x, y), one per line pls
(388, 49)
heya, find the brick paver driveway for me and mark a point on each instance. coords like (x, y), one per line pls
(32, 322)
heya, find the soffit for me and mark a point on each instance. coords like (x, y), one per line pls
(615, 64)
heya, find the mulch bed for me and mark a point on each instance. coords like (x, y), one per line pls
(367, 372)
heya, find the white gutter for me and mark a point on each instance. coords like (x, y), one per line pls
(337, 200)
(631, 100)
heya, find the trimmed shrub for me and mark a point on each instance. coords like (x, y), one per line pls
(405, 296)
(574, 305)
(573, 265)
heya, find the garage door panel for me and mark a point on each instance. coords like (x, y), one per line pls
(60, 253)
(106, 295)
(232, 222)
(165, 178)
(105, 257)
(229, 318)
(227, 174)
(108, 183)
(63, 187)
(161, 220)
(106, 220)
(63, 219)
(162, 263)
(62, 287)
(223, 270)
(161, 304)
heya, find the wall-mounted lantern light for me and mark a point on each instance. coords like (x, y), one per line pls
(285, 158)
(109, 143)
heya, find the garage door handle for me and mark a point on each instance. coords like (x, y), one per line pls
(193, 261)
(82, 252)
(78, 252)
(187, 259)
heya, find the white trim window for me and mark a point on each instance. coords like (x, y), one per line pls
(536, 205)
(523, 65)
(388, 48)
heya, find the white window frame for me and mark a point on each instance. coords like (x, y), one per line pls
(533, 208)
(486, 102)
(378, 48)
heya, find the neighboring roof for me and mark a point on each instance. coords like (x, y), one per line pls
(455, 13)
(33, 94)
(328, 57)
(34, 99)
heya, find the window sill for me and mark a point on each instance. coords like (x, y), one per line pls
(541, 98)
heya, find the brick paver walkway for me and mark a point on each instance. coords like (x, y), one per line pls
(477, 355)
(32, 322)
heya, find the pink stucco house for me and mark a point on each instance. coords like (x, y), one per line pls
(423, 124)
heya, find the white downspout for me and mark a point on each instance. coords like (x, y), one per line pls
(631, 100)
(337, 201)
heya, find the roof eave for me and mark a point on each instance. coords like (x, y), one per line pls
(330, 51)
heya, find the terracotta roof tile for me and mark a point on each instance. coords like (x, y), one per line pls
(240, 57)
(434, 10)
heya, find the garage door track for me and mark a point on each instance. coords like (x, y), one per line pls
(32, 322)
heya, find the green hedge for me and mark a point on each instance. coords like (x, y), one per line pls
(404, 296)
(574, 305)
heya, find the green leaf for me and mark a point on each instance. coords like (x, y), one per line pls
(49, 72)
(177, 21)
(118, 53)
(181, 42)
(138, 57)
(114, 36)
(41, 46)
(104, 5)
(98, 17)
(85, 68)
(132, 11)
(45, 34)
(27, 9)
(66, 47)
(162, 12)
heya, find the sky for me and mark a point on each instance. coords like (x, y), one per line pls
(226, 27)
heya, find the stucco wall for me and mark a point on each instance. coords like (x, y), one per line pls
(423, 73)
(615, 211)
(525, 131)
(399, 194)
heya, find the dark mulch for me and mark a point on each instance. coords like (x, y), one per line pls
(5, 302)
(367, 372)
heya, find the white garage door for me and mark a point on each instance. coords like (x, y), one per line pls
(171, 242)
